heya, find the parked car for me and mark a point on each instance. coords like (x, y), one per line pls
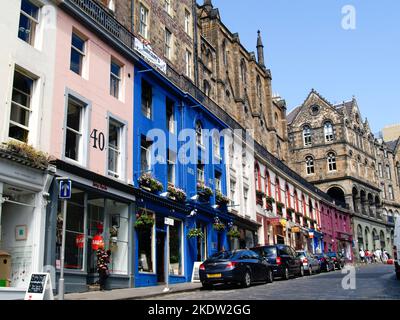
(396, 248)
(325, 262)
(310, 263)
(283, 259)
(240, 266)
(337, 258)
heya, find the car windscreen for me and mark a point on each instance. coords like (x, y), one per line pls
(224, 255)
(301, 254)
(269, 252)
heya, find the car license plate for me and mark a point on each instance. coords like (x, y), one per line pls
(213, 276)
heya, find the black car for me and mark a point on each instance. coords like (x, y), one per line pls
(240, 266)
(325, 262)
(284, 260)
(338, 259)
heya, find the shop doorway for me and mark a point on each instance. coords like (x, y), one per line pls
(160, 249)
(280, 239)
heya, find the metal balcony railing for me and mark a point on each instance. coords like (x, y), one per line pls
(106, 21)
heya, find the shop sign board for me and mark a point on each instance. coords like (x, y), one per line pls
(169, 222)
(39, 287)
(295, 229)
(147, 52)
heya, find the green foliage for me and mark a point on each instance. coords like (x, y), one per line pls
(195, 233)
(148, 181)
(28, 152)
(233, 233)
(144, 220)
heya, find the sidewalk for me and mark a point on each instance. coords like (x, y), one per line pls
(133, 293)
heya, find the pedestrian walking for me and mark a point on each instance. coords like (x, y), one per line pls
(103, 259)
(362, 255)
(367, 256)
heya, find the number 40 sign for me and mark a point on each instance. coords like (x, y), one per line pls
(98, 139)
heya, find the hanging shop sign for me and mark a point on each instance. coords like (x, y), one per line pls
(296, 229)
(274, 221)
(80, 241)
(311, 235)
(147, 52)
(97, 242)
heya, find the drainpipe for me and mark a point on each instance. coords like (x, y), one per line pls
(132, 16)
(195, 44)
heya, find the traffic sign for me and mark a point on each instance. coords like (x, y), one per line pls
(65, 189)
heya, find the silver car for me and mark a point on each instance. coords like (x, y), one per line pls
(310, 263)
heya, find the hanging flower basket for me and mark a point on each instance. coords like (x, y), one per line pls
(233, 234)
(149, 183)
(218, 225)
(195, 233)
(290, 211)
(144, 220)
(176, 194)
(270, 200)
(280, 206)
(221, 199)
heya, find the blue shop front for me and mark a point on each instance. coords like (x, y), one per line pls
(180, 182)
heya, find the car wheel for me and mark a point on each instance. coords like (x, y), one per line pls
(339, 267)
(247, 279)
(286, 275)
(301, 274)
(270, 276)
(398, 275)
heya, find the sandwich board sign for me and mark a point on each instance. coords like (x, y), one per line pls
(196, 272)
(39, 287)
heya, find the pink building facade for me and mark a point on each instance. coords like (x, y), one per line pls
(336, 227)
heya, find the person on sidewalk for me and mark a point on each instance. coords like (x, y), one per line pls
(103, 259)
(362, 255)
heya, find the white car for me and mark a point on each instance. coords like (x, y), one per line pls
(396, 248)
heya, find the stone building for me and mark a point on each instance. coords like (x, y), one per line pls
(333, 148)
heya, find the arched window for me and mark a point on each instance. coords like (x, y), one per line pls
(243, 71)
(199, 133)
(267, 183)
(307, 136)
(278, 190)
(328, 131)
(288, 203)
(310, 165)
(296, 201)
(259, 89)
(331, 162)
(257, 176)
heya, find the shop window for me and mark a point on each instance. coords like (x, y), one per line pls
(75, 232)
(176, 249)
(202, 243)
(28, 22)
(95, 223)
(145, 249)
(21, 106)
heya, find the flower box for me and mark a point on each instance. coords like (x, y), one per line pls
(176, 194)
(218, 225)
(270, 200)
(204, 191)
(233, 234)
(221, 199)
(149, 183)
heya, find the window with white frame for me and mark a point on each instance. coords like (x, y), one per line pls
(171, 164)
(328, 131)
(145, 155)
(115, 79)
(188, 63)
(310, 165)
(391, 194)
(200, 173)
(147, 99)
(74, 129)
(78, 48)
(21, 106)
(176, 249)
(188, 22)
(307, 136)
(170, 115)
(168, 44)
(218, 183)
(199, 134)
(143, 22)
(115, 145)
(217, 144)
(332, 162)
(245, 198)
(28, 21)
(232, 191)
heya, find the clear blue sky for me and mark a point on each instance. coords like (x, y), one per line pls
(306, 47)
